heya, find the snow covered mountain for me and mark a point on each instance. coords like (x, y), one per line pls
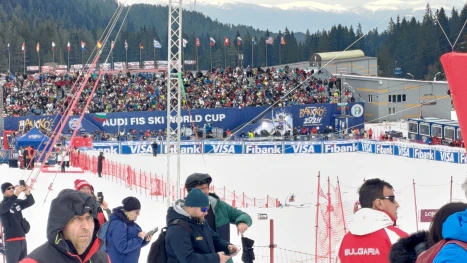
(301, 15)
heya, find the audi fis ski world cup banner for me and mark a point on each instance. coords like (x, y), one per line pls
(278, 120)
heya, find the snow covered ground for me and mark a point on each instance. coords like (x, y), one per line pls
(261, 175)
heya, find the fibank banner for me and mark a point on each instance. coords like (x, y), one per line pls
(451, 155)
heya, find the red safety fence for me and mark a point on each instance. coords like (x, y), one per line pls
(153, 184)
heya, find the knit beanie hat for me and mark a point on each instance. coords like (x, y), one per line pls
(5, 186)
(82, 183)
(131, 203)
(196, 198)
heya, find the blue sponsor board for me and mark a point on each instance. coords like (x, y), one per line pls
(223, 147)
(367, 147)
(340, 147)
(387, 149)
(139, 147)
(462, 158)
(263, 148)
(424, 153)
(106, 147)
(403, 151)
(447, 156)
(185, 148)
(302, 147)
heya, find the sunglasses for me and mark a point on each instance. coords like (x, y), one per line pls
(11, 188)
(204, 209)
(391, 198)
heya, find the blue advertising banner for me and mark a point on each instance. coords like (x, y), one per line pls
(340, 147)
(424, 153)
(263, 148)
(403, 151)
(451, 155)
(367, 147)
(4, 156)
(223, 147)
(444, 156)
(302, 147)
(282, 119)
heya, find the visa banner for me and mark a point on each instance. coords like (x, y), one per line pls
(302, 147)
(223, 147)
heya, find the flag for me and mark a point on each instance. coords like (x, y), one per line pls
(53, 46)
(270, 41)
(8, 48)
(226, 41)
(141, 45)
(112, 45)
(239, 41)
(184, 42)
(99, 45)
(282, 40)
(23, 47)
(212, 42)
(83, 45)
(157, 44)
(126, 45)
(253, 41)
(68, 46)
(38, 47)
(198, 43)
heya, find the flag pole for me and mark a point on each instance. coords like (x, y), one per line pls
(9, 60)
(225, 56)
(210, 53)
(252, 57)
(53, 55)
(140, 62)
(126, 58)
(266, 55)
(24, 61)
(39, 57)
(68, 67)
(238, 54)
(82, 59)
(280, 54)
(197, 65)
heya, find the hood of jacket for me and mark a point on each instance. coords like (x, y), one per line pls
(176, 211)
(367, 221)
(408, 248)
(213, 200)
(118, 213)
(68, 204)
(455, 227)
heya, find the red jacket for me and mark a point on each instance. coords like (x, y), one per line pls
(369, 239)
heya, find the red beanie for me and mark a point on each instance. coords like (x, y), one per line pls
(82, 183)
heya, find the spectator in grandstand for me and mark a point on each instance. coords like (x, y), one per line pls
(220, 214)
(407, 249)
(182, 245)
(125, 237)
(85, 187)
(15, 227)
(72, 229)
(373, 229)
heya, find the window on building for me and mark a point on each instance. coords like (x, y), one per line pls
(389, 98)
(392, 110)
(413, 127)
(370, 98)
(424, 129)
(394, 98)
(404, 98)
(399, 98)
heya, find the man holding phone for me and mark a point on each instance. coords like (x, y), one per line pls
(15, 226)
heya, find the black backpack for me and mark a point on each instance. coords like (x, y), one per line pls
(157, 252)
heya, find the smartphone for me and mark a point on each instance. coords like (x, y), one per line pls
(100, 197)
(152, 232)
(22, 183)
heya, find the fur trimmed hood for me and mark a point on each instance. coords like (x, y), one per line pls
(406, 250)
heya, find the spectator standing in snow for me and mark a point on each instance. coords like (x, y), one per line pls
(72, 229)
(15, 227)
(373, 231)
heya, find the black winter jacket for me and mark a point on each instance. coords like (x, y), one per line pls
(406, 250)
(12, 217)
(64, 207)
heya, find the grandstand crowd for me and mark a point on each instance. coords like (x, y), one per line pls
(47, 94)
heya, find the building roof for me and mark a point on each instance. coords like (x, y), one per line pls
(325, 56)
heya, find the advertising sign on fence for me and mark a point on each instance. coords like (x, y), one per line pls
(451, 155)
(426, 215)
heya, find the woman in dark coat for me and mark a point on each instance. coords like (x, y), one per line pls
(100, 163)
(407, 249)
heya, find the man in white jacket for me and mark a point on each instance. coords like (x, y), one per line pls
(373, 231)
